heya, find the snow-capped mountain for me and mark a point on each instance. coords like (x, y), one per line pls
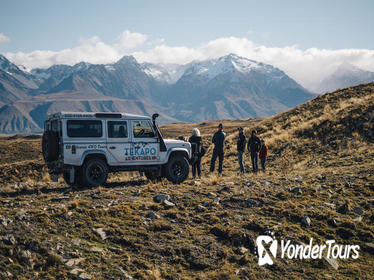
(344, 76)
(17, 72)
(228, 87)
(15, 84)
(52, 76)
(164, 73)
(232, 87)
(59, 70)
(228, 64)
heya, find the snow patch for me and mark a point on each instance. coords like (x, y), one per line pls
(166, 73)
(109, 68)
(155, 73)
(41, 75)
(227, 64)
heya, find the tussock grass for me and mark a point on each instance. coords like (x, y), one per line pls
(322, 147)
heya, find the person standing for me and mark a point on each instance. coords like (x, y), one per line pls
(254, 145)
(263, 154)
(219, 144)
(240, 145)
(196, 143)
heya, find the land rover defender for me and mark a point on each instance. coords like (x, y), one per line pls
(85, 147)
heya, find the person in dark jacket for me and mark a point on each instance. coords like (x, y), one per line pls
(240, 145)
(263, 154)
(219, 144)
(196, 144)
(254, 145)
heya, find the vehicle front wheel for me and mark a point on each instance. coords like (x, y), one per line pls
(176, 170)
(94, 173)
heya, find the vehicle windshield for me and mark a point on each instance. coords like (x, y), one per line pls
(142, 129)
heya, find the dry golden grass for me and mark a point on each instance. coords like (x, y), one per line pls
(323, 147)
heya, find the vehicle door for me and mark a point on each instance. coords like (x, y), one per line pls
(118, 140)
(145, 147)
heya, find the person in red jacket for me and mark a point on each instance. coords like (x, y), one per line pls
(263, 154)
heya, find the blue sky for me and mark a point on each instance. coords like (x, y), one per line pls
(55, 25)
(306, 39)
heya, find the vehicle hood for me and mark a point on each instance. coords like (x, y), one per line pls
(171, 143)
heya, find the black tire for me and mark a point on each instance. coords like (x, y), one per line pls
(94, 173)
(45, 147)
(176, 170)
(50, 146)
(152, 175)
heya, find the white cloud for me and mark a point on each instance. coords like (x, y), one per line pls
(91, 50)
(4, 39)
(307, 67)
(129, 40)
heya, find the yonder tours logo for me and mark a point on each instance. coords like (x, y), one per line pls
(267, 247)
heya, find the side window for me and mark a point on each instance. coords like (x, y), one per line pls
(117, 129)
(84, 128)
(142, 129)
(54, 125)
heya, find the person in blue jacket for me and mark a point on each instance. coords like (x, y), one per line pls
(219, 144)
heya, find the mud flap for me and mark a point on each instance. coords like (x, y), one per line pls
(72, 175)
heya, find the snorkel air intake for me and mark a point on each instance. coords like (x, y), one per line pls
(162, 143)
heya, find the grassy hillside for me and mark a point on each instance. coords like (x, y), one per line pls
(320, 165)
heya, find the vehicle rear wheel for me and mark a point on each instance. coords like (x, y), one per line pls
(94, 173)
(176, 170)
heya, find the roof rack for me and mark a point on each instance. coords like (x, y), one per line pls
(97, 115)
(108, 115)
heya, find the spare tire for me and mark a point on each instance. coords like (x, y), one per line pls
(50, 146)
(45, 147)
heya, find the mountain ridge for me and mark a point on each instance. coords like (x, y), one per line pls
(230, 87)
(345, 75)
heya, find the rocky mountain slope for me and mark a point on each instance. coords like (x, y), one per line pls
(319, 184)
(15, 83)
(230, 87)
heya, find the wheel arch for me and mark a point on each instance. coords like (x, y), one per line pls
(94, 154)
(181, 152)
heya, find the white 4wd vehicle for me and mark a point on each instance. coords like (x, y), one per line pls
(85, 147)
